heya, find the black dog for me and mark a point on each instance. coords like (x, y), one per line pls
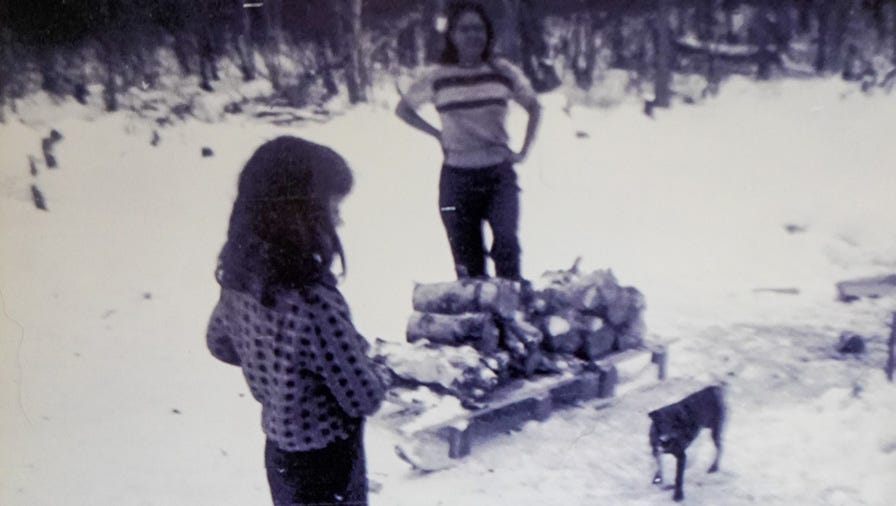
(676, 426)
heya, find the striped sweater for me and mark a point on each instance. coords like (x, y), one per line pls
(472, 104)
(303, 360)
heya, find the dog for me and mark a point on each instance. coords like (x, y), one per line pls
(674, 428)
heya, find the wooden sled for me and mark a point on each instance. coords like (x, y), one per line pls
(436, 443)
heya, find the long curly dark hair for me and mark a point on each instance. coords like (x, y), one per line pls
(282, 233)
(453, 13)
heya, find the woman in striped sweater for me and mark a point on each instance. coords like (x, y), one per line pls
(470, 89)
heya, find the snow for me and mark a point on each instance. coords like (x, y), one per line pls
(110, 397)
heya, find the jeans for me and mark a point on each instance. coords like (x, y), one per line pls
(467, 199)
(333, 475)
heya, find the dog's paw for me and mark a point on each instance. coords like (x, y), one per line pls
(679, 496)
(713, 468)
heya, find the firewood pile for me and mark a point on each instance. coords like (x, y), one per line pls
(466, 338)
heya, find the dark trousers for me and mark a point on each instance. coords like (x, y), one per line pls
(467, 199)
(335, 474)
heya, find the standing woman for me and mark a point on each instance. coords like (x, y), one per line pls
(470, 90)
(283, 321)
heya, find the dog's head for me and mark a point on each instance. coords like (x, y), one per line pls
(666, 429)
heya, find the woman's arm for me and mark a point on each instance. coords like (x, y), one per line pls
(534, 110)
(343, 363)
(219, 337)
(410, 116)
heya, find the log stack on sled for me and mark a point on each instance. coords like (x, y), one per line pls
(481, 333)
(505, 350)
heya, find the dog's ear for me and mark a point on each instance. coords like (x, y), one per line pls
(654, 415)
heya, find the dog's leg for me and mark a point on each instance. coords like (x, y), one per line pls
(717, 437)
(655, 448)
(680, 459)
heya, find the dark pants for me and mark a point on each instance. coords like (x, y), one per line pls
(467, 199)
(332, 475)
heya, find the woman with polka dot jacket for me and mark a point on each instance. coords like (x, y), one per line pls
(283, 321)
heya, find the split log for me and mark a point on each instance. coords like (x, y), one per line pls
(498, 296)
(599, 343)
(561, 364)
(626, 307)
(524, 340)
(632, 335)
(498, 362)
(561, 335)
(476, 329)
(521, 336)
(459, 371)
(588, 292)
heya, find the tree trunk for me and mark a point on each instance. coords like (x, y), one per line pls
(325, 66)
(893, 28)
(706, 32)
(51, 79)
(584, 55)
(824, 22)
(269, 23)
(804, 15)
(433, 40)
(534, 48)
(876, 11)
(763, 38)
(407, 45)
(242, 40)
(354, 74)
(111, 56)
(663, 54)
(729, 6)
(617, 41)
(205, 29)
(182, 51)
(5, 63)
(841, 16)
(833, 16)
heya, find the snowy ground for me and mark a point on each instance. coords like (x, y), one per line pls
(109, 396)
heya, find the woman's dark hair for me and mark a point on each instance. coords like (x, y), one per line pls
(281, 232)
(453, 13)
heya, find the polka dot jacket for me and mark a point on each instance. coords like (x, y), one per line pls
(303, 360)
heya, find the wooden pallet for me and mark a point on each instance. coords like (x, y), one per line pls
(438, 443)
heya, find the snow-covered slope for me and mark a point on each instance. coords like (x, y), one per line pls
(109, 396)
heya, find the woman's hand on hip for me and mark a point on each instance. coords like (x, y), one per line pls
(518, 157)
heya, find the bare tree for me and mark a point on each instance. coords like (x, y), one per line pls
(583, 50)
(350, 16)
(533, 46)
(663, 54)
